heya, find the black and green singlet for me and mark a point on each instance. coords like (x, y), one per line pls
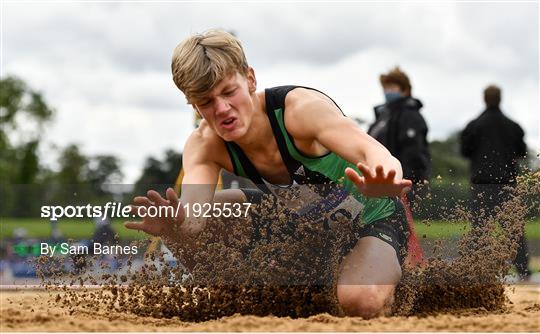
(329, 188)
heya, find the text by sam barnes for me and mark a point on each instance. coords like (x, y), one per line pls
(95, 249)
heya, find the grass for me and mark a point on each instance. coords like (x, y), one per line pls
(74, 229)
(84, 229)
(444, 229)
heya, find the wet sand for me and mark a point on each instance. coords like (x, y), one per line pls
(31, 310)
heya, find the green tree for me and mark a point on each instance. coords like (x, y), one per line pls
(67, 184)
(159, 174)
(172, 165)
(17, 99)
(19, 162)
(449, 180)
(104, 170)
(29, 162)
(73, 166)
(81, 179)
(447, 161)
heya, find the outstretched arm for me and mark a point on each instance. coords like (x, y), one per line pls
(198, 186)
(321, 120)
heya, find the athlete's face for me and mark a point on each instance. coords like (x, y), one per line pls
(228, 107)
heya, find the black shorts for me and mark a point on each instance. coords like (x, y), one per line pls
(393, 229)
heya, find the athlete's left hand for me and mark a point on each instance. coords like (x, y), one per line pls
(377, 183)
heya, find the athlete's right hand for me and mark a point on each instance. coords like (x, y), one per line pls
(376, 182)
(165, 224)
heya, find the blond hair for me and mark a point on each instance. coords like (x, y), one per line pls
(203, 60)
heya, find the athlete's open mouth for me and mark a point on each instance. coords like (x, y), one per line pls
(228, 122)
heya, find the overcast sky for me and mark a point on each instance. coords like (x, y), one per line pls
(105, 67)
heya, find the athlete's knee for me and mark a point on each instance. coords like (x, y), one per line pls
(366, 301)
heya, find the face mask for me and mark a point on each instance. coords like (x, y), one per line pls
(392, 96)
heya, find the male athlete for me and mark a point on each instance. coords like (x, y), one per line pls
(284, 137)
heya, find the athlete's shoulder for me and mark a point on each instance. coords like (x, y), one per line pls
(301, 99)
(204, 144)
(202, 135)
(308, 112)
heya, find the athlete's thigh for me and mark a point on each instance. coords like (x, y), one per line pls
(371, 262)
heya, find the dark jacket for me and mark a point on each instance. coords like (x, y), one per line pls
(400, 127)
(493, 143)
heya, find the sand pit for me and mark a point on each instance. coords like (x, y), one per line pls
(284, 279)
(28, 310)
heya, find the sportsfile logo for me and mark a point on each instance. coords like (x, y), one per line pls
(118, 210)
(109, 210)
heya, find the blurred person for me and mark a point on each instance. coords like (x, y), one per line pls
(56, 233)
(284, 137)
(400, 127)
(103, 232)
(494, 144)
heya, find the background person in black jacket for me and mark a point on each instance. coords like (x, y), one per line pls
(494, 144)
(400, 127)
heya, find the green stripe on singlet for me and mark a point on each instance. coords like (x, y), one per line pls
(236, 161)
(332, 167)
